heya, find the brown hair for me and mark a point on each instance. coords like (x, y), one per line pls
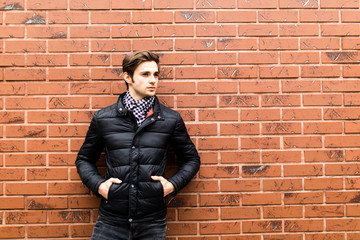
(133, 60)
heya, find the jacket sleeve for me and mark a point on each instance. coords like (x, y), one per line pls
(187, 154)
(88, 156)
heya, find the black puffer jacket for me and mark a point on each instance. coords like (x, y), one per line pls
(134, 154)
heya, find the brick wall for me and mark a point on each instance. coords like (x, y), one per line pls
(268, 90)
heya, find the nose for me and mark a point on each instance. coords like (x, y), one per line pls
(153, 78)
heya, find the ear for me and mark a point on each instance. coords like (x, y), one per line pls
(127, 77)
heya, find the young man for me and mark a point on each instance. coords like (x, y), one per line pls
(136, 133)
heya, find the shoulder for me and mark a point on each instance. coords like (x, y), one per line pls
(107, 112)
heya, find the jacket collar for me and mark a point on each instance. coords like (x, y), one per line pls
(122, 111)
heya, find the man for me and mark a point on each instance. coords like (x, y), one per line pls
(136, 133)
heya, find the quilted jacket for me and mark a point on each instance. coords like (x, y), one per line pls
(134, 154)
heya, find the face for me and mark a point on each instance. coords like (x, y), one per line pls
(144, 81)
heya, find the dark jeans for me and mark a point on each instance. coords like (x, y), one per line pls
(155, 230)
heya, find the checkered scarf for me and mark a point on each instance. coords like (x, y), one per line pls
(139, 108)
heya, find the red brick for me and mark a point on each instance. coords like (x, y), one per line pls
(12, 174)
(258, 30)
(260, 171)
(283, 212)
(215, 58)
(69, 216)
(86, 4)
(240, 157)
(239, 129)
(260, 142)
(323, 127)
(218, 115)
(340, 4)
(89, 32)
(322, 43)
(47, 117)
(281, 128)
(350, 43)
(216, 30)
(258, 58)
(216, 4)
(303, 170)
(280, 100)
(262, 226)
(320, 71)
(303, 198)
(68, 102)
(236, 17)
(65, 17)
(193, 17)
(237, 72)
(341, 169)
(301, 86)
(219, 227)
(352, 127)
(47, 173)
(8, 60)
(26, 103)
(131, 31)
(228, 213)
(218, 143)
(257, 4)
(260, 114)
(136, 4)
(12, 232)
(299, 58)
(202, 129)
(67, 188)
(38, 4)
(24, 46)
(337, 30)
(304, 225)
(278, 43)
(47, 60)
(110, 45)
(193, 214)
(47, 88)
(25, 217)
(25, 188)
(279, 72)
(219, 172)
(319, 16)
(281, 156)
(173, 4)
(184, 200)
(177, 58)
(48, 231)
(26, 131)
(299, 30)
(227, 44)
(341, 141)
(181, 228)
(12, 145)
(217, 87)
(46, 203)
(12, 89)
(16, 74)
(298, 4)
(219, 199)
(324, 156)
(323, 183)
(301, 114)
(283, 185)
(153, 45)
(177, 30)
(69, 74)
(342, 224)
(320, 236)
(25, 159)
(68, 45)
(278, 16)
(11, 32)
(248, 185)
(352, 155)
(351, 99)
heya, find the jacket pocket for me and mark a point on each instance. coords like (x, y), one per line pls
(118, 191)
